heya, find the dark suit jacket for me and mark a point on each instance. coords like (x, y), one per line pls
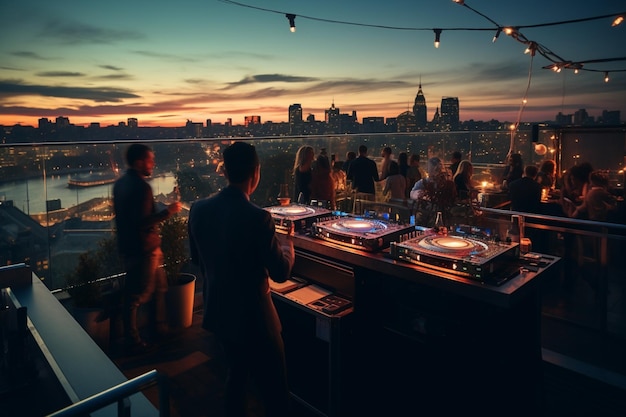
(233, 242)
(363, 173)
(525, 195)
(136, 217)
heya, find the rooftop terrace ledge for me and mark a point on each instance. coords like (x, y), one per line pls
(81, 367)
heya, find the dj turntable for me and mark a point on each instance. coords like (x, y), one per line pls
(469, 256)
(296, 217)
(360, 232)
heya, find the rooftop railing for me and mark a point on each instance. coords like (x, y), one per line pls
(56, 200)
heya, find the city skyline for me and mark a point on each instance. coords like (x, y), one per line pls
(105, 63)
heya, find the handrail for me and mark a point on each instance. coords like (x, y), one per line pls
(120, 394)
(567, 222)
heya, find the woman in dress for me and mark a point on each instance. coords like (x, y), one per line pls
(322, 183)
(395, 183)
(463, 179)
(302, 174)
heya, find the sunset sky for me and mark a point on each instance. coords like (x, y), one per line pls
(168, 62)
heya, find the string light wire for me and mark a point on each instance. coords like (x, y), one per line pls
(522, 106)
(513, 31)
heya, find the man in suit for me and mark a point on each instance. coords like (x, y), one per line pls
(233, 242)
(363, 173)
(139, 243)
(525, 193)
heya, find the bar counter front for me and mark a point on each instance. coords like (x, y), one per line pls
(367, 333)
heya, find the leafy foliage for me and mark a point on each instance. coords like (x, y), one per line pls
(84, 292)
(173, 245)
(92, 265)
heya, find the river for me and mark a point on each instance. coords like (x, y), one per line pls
(30, 195)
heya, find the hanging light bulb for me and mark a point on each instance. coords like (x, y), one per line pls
(509, 30)
(532, 47)
(437, 37)
(606, 76)
(292, 21)
(461, 2)
(618, 20)
(495, 37)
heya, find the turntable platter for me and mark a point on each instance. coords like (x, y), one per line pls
(359, 226)
(452, 245)
(291, 210)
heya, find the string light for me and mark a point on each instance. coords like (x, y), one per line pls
(292, 21)
(437, 37)
(532, 47)
(495, 37)
(558, 63)
(606, 76)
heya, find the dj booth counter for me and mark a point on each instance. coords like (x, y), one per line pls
(387, 337)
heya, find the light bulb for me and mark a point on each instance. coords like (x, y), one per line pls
(618, 20)
(606, 76)
(437, 37)
(292, 21)
(495, 37)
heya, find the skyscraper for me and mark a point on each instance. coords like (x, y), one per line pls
(331, 117)
(295, 119)
(449, 118)
(419, 109)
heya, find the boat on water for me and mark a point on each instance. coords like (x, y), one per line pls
(92, 179)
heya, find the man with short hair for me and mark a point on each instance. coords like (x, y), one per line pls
(139, 244)
(363, 173)
(525, 193)
(234, 243)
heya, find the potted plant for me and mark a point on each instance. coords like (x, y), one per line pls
(180, 295)
(88, 307)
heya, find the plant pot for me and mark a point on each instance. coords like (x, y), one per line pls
(180, 299)
(96, 323)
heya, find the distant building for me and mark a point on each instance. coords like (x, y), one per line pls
(563, 119)
(331, 117)
(193, 130)
(373, 124)
(44, 124)
(251, 120)
(296, 124)
(581, 117)
(420, 110)
(62, 122)
(405, 122)
(132, 122)
(610, 117)
(449, 113)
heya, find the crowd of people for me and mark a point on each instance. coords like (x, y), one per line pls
(581, 192)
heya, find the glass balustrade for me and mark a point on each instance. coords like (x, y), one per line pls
(56, 200)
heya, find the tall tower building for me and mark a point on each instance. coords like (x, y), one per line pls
(296, 123)
(419, 109)
(449, 118)
(132, 122)
(331, 117)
